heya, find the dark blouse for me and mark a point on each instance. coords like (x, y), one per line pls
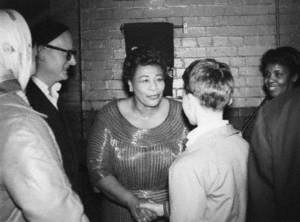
(138, 158)
(249, 123)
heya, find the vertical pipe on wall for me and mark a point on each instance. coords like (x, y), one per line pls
(80, 68)
(277, 25)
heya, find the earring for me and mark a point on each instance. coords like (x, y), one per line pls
(130, 88)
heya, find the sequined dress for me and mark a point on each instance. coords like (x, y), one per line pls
(138, 158)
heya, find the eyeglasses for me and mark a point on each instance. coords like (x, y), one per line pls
(70, 53)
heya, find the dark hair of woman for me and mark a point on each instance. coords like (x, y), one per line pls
(141, 56)
(286, 56)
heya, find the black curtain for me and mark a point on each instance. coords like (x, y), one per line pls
(158, 35)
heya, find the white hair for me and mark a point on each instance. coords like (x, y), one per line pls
(15, 47)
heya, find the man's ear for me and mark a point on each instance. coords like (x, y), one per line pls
(295, 77)
(230, 102)
(130, 86)
(40, 53)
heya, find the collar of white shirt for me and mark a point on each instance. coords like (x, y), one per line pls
(199, 131)
(50, 92)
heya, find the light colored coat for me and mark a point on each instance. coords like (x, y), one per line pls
(33, 185)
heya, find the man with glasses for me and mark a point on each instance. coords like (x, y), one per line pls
(54, 56)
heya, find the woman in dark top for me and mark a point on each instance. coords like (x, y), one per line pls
(134, 141)
(274, 163)
(280, 68)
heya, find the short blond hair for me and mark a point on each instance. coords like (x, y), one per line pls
(210, 81)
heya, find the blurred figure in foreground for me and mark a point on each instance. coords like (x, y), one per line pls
(33, 185)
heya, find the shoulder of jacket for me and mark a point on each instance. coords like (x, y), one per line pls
(19, 111)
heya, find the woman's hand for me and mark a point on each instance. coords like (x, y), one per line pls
(140, 214)
(133, 205)
(115, 191)
(154, 207)
(147, 215)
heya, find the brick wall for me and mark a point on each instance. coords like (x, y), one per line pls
(237, 32)
(289, 22)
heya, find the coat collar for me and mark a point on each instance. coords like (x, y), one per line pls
(12, 95)
(11, 85)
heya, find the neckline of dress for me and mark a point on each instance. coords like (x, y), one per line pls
(161, 125)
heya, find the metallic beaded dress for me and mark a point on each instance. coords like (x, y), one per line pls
(138, 158)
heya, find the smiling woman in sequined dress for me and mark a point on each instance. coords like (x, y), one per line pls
(134, 141)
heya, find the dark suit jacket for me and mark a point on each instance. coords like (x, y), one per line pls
(274, 161)
(58, 124)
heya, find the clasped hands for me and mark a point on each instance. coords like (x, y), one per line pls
(145, 210)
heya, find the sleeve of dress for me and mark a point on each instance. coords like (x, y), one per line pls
(187, 195)
(34, 176)
(260, 177)
(99, 152)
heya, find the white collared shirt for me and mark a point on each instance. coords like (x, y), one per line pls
(198, 131)
(50, 92)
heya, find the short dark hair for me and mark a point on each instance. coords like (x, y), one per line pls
(210, 81)
(142, 56)
(47, 30)
(285, 56)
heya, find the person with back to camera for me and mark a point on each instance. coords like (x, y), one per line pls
(280, 68)
(207, 182)
(33, 184)
(134, 141)
(212, 171)
(54, 56)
